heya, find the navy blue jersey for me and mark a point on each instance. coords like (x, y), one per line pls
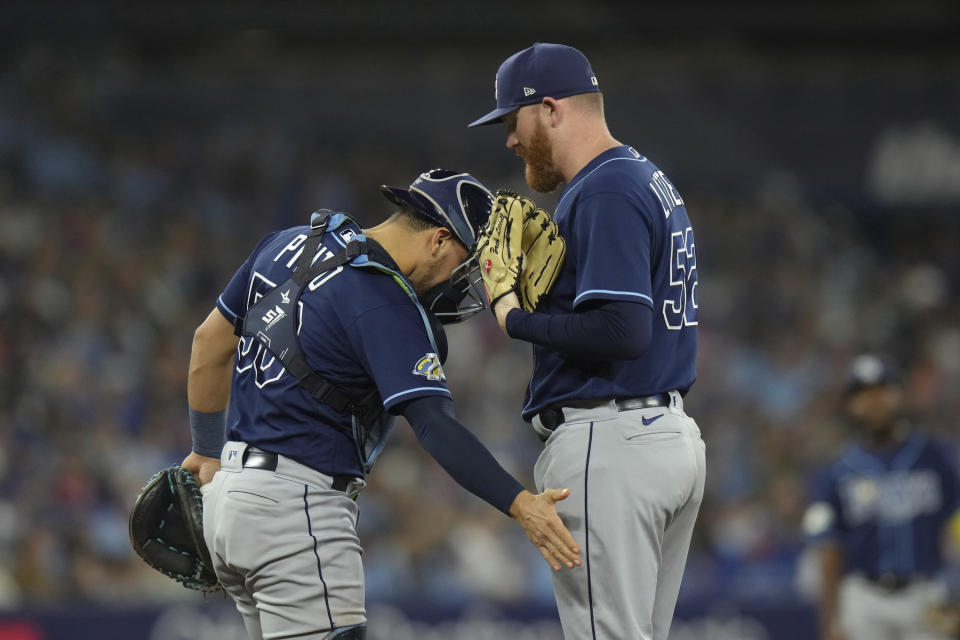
(628, 238)
(358, 328)
(887, 510)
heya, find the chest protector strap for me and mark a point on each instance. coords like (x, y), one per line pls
(274, 319)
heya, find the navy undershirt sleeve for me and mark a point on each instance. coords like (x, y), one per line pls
(604, 330)
(459, 452)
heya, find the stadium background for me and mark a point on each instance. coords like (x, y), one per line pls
(145, 148)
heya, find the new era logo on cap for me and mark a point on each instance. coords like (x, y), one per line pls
(541, 71)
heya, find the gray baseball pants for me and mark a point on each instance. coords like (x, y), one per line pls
(868, 612)
(636, 479)
(285, 547)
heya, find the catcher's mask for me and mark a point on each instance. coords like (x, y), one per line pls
(460, 297)
(459, 202)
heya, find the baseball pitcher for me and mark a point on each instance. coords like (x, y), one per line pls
(613, 322)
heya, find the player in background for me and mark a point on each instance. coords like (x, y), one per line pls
(879, 516)
(335, 341)
(615, 344)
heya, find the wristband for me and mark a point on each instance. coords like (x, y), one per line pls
(208, 431)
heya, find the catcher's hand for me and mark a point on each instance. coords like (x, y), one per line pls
(166, 529)
(543, 251)
(499, 249)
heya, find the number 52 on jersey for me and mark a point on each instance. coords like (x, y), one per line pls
(680, 308)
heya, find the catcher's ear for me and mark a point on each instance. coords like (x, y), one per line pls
(440, 237)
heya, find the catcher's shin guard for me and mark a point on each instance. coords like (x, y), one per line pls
(356, 632)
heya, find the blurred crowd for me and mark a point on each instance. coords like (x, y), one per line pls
(118, 229)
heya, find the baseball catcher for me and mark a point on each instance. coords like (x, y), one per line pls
(520, 250)
(166, 529)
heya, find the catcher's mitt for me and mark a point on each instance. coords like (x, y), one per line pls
(498, 251)
(166, 529)
(543, 252)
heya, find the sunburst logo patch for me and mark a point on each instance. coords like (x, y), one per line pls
(429, 367)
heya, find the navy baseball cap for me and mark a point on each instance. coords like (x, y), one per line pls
(870, 370)
(541, 71)
(451, 199)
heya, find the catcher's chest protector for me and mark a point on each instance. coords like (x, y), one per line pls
(274, 318)
(273, 321)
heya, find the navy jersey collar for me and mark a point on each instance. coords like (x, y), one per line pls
(376, 253)
(622, 151)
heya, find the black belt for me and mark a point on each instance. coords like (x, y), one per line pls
(254, 458)
(552, 417)
(893, 581)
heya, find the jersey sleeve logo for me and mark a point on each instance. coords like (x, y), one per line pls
(429, 367)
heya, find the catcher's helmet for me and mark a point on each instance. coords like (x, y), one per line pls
(451, 199)
(459, 202)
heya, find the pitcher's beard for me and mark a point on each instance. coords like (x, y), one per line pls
(539, 171)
